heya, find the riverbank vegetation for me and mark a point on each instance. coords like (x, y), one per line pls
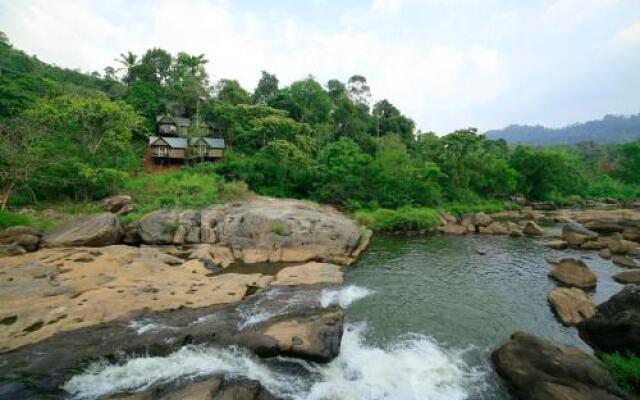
(67, 137)
(625, 370)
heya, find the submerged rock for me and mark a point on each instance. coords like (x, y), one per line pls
(571, 305)
(539, 369)
(572, 272)
(576, 234)
(616, 325)
(93, 231)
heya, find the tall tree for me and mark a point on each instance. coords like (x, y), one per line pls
(4, 39)
(267, 88)
(128, 62)
(359, 90)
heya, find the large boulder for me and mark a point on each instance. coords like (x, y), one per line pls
(532, 229)
(92, 231)
(616, 325)
(539, 369)
(575, 273)
(571, 305)
(15, 238)
(119, 204)
(262, 230)
(577, 235)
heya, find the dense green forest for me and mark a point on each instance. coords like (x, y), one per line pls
(69, 136)
(609, 130)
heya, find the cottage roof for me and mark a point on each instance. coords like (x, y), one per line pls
(216, 143)
(180, 122)
(173, 142)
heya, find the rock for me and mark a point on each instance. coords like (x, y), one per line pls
(543, 205)
(571, 305)
(605, 224)
(18, 230)
(315, 338)
(605, 253)
(593, 245)
(494, 228)
(532, 229)
(308, 274)
(120, 204)
(624, 261)
(539, 369)
(20, 236)
(618, 245)
(481, 219)
(575, 273)
(616, 325)
(448, 218)
(94, 231)
(262, 230)
(632, 234)
(131, 235)
(12, 249)
(576, 234)
(514, 229)
(453, 229)
(627, 277)
(556, 244)
(27, 242)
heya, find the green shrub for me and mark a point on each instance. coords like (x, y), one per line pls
(488, 206)
(8, 219)
(625, 370)
(605, 186)
(234, 191)
(280, 229)
(402, 219)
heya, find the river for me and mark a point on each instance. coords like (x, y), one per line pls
(423, 315)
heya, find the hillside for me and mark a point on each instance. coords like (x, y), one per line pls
(610, 129)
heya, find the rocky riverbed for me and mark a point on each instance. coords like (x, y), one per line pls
(184, 289)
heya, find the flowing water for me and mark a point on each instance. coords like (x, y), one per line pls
(423, 315)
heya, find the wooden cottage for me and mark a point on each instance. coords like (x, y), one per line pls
(172, 126)
(207, 148)
(169, 148)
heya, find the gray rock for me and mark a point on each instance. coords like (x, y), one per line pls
(627, 277)
(539, 369)
(624, 261)
(616, 325)
(94, 231)
(576, 235)
(7, 250)
(119, 204)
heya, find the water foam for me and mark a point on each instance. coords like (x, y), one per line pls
(412, 368)
(344, 296)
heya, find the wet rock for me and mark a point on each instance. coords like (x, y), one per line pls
(627, 277)
(571, 305)
(616, 325)
(93, 231)
(574, 273)
(576, 234)
(532, 229)
(119, 204)
(593, 245)
(605, 253)
(309, 274)
(632, 234)
(315, 338)
(453, 229)
(618, 245)
(539, 369)
(624, 261)
(556, 244)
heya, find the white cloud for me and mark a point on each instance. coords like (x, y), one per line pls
(629, 36)
(387, 6)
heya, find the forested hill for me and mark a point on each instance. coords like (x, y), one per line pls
(610, 129)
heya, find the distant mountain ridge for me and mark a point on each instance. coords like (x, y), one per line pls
(610, 129)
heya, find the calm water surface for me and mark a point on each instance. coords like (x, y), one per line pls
(439, 286)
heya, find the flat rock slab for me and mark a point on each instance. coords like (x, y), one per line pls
(571, 305)
(92, 231)
(627, 277)
(574, 273)
(624, 261)
(539, 369)
(56, 290)
(312, 273)
(556, 244)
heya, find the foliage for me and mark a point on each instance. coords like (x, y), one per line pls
(625, 370)
(402, 219)
(8, 219)
(487, 206)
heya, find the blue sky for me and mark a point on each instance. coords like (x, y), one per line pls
(446, 63)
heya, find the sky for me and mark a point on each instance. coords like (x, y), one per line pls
(448, 64)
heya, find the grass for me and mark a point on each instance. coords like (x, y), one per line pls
(181, 189)
(625, 370)
(487, 206)
(8, 219)
(401, 219)
(280, 229)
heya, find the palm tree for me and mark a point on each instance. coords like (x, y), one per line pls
(128, 61)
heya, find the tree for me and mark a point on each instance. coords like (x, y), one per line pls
(629, 165)
(154, 66)
(305, 100)
(336, 89)
(188, 85)
(388, 119)
(359, 90)
(267, 88)
(4, 39)
(230, 91)
(128, 62)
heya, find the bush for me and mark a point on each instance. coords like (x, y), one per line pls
(488, 206)
(402, 219)
(625, 370)
(605, 186)
(234, 191)
(280, 229)
(8, 219)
